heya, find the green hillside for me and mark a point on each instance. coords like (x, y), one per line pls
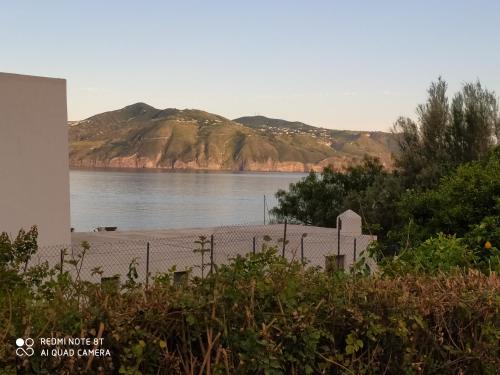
(140, 136)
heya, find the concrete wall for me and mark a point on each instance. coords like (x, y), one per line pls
(34, 174)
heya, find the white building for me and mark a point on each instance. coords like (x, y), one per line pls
(34, 172)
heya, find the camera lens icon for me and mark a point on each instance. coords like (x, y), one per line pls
(25, 347)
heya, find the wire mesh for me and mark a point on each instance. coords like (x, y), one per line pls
(197, 251)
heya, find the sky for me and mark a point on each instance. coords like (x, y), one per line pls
(338, 64)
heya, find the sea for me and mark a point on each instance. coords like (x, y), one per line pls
(153, 199)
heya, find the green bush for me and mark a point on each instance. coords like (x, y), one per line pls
(264, 315)
(460, 201)
(440, 254)
(15, 255)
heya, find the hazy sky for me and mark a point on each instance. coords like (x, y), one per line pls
(347, 65)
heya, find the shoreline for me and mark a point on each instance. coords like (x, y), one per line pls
(179, 170)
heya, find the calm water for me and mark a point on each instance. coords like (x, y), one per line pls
(156, 200)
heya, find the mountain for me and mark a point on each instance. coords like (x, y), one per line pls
(350, 143)
(141, 136)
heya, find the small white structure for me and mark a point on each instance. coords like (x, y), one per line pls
(350, 223)
(350, 245)
(34, 172)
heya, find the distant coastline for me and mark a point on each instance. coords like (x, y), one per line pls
(169, 170)
(143, 137)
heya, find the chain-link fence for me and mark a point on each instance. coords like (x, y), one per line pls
(196, 252)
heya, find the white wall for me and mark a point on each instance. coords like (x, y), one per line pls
(34, 173)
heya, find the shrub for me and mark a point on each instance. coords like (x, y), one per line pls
(459, 202)
(262, 314)
(439, 254)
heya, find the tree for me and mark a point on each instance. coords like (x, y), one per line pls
(445, 137)
(474, 123)
(319, 198)
(377, 204)
(414, 201)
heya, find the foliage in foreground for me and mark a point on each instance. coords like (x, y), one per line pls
(442, 254)
(262, 315)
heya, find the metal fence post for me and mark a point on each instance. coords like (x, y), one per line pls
(284, 239)
(264, 209)
(339, 228)
(254, 245)
(302, 250)
(211, 254)
(62, 261)
(354, 249)
(147, 265)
